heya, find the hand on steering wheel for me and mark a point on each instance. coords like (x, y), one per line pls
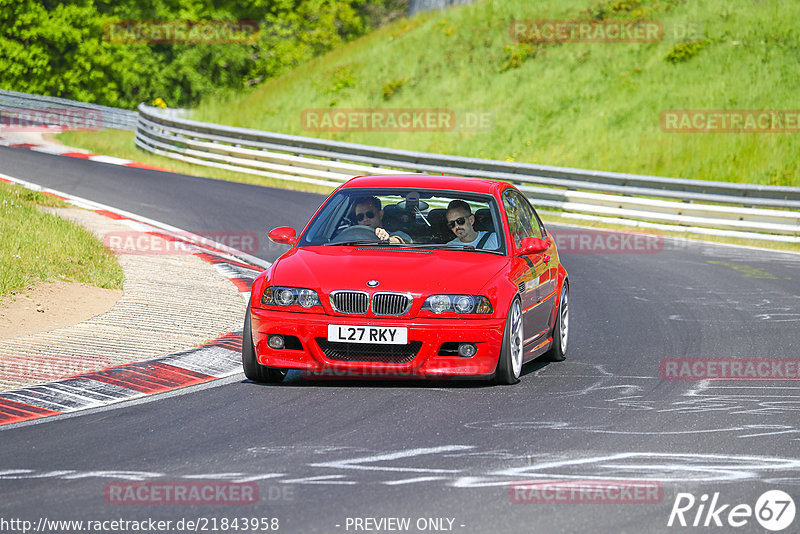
(383, 235)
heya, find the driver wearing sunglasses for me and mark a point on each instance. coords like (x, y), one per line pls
(368, 212)
(460, 220)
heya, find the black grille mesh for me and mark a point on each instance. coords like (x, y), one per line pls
(369, 352)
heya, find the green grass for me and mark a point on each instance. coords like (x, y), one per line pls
(119, 143)
(585, 105)
(37, 246)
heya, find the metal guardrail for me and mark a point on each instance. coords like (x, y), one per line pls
(722, 208)
(743, 210)
(107, 117)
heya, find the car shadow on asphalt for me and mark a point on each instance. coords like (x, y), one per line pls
(331, 379)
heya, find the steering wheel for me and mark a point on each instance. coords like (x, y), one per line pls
(356, 233)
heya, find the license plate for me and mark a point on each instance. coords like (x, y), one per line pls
(386, 335)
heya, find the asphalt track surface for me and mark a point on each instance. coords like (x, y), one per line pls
(326, 453)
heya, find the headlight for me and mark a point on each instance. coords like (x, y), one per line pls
(287, 296)
(458, 303)
(284, 296)
(463, 303)
(437, 303)
(307, 298)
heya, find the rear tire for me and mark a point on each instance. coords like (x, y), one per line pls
(509, 365)
(252, 369)
(558, 352)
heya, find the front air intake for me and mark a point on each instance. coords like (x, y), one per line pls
(369, 352)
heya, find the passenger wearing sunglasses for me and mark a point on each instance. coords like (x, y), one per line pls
(368, 212)
(460, 220)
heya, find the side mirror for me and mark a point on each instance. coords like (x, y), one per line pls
(532, 245)
(284, 235)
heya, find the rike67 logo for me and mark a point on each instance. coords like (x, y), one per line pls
(774, 510)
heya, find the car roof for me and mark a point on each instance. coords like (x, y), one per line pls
(418, 181)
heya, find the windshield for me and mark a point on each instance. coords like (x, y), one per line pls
(412, 218)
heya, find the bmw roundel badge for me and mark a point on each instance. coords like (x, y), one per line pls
(373, 283)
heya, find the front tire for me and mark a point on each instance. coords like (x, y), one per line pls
(252, 369)
(558, 352)
(509, 365)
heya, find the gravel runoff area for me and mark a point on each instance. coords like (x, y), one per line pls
(171, 301)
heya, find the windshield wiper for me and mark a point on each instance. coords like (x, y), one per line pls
(435, 245)
(354, 242)
(469, 248)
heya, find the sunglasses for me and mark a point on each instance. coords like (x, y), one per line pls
(367, 214)
(460, 221)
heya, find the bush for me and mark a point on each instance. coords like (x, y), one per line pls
(515, 55)
(685, 51)
(390, 88)
(57, 48)
(603, 10)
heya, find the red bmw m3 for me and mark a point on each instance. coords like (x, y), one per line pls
(411, 276)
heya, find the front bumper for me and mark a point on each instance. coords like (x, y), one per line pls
(432, 333)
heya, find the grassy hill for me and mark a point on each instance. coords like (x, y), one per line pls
(586, 105)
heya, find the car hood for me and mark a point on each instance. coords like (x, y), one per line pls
(396, 269)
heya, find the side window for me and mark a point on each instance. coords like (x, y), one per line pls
(522, 220)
